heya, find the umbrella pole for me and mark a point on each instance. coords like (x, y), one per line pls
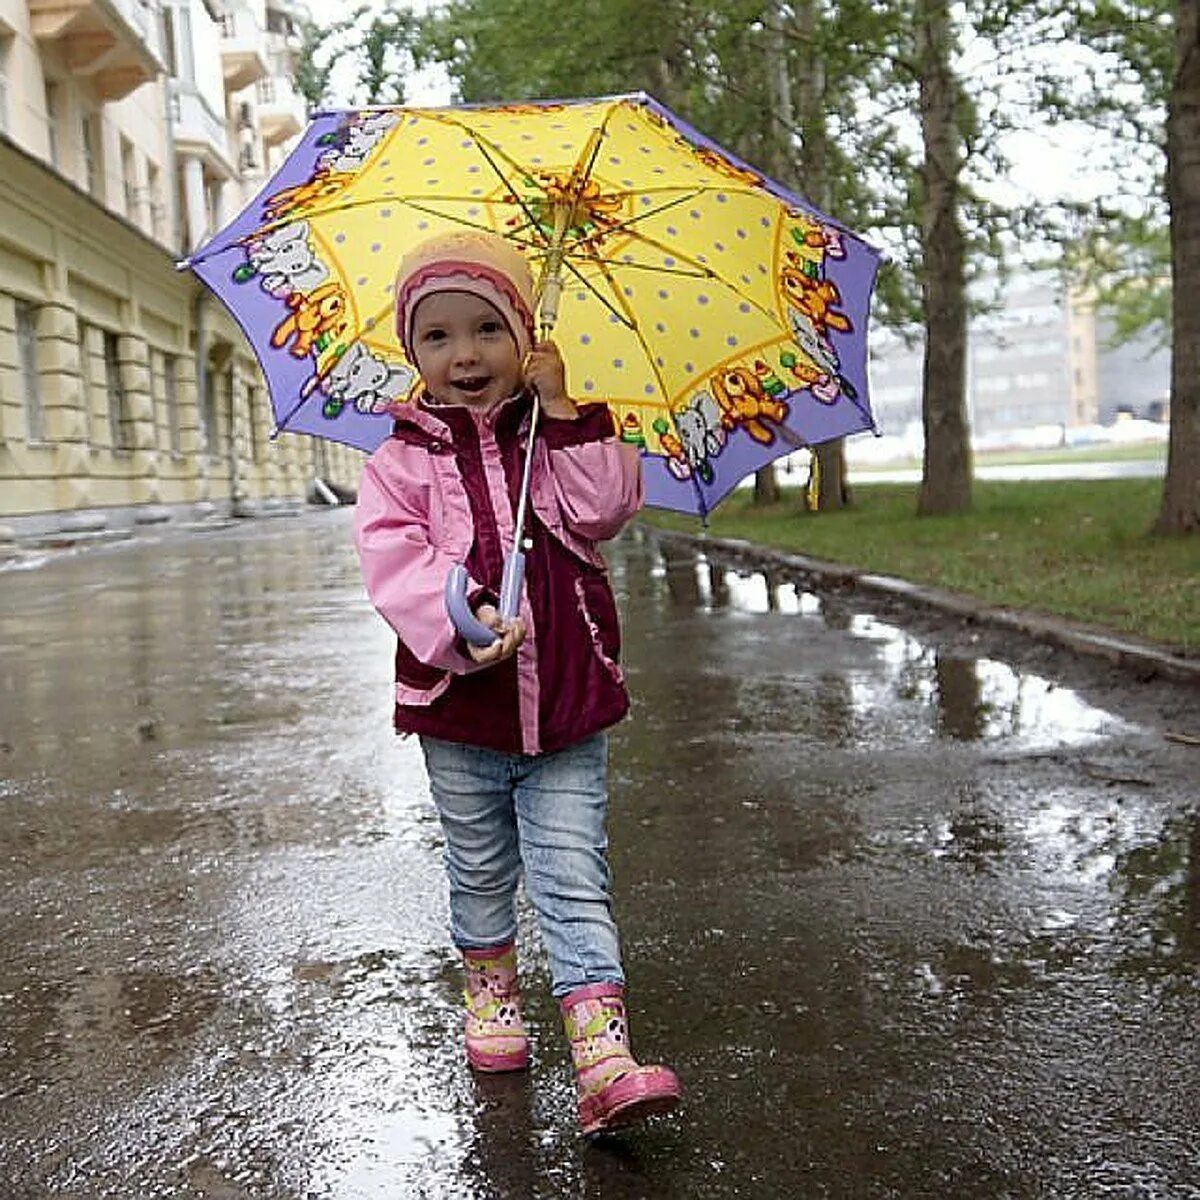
(549, 290)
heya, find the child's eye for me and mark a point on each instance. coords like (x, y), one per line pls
(433, 335)
(491, 327)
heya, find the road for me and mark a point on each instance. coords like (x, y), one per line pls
(913, 910)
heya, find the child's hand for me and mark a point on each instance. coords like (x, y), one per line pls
(512, 634)
(546, 373)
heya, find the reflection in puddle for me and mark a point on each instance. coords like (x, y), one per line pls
(980, 699)
(907, 682)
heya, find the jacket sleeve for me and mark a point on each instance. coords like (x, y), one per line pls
(597, 478)
(405, 575)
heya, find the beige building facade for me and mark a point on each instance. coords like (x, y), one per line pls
(129, 131)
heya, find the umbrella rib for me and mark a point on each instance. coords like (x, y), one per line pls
(571, 265)
(624, 264)
(654, 212)
(636, 329)
(530, 216)
(708, 273)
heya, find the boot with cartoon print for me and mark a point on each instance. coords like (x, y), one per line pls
(495, 1032)
(612, 1089)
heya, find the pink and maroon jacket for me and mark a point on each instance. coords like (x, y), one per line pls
(443, 489)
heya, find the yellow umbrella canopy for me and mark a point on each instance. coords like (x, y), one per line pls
(720, 317)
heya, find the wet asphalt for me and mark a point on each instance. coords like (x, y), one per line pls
(912, 910)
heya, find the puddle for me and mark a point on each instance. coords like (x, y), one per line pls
(903, 688)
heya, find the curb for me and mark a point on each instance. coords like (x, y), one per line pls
(1146, 658)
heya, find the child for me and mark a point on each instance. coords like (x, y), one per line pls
(512, 732)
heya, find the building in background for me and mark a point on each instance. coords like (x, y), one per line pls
(129, 131)
(1041, 358)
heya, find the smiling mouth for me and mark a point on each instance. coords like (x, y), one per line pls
(473, 385)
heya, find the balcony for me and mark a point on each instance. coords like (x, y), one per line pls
(197, 131)
(243, 46)
(113, 43)
(282, 112)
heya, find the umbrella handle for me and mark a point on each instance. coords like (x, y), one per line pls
(459, 611)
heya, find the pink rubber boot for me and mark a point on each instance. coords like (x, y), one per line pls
(612, 1089)
(496, 1038)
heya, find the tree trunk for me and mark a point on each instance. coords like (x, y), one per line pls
(766, 486)
(832, 489)
(780, 163)
(811, 110)
(946, 474)
(1180, 511)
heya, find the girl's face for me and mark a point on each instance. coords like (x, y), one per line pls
(464, 350)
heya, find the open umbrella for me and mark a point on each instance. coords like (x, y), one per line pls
(721, 317)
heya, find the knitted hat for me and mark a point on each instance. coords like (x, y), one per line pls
(466, 260)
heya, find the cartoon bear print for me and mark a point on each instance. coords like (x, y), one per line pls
(315, 319)
(743, 401)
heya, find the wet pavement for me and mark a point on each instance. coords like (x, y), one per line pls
(914, 912)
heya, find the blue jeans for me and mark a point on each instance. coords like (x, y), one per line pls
(543, 813)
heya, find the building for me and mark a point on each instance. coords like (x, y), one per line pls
(1041, 357)
(129, 130)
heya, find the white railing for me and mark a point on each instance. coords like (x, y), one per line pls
(193, 121)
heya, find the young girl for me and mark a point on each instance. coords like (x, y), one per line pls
(512, 732)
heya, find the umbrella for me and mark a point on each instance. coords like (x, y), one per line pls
(721, 317)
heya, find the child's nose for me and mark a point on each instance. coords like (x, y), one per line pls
(465, 350)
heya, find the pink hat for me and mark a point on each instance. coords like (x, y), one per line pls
(467, 260)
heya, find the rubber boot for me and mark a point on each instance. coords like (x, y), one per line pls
(495, 1032)
(612, 1089)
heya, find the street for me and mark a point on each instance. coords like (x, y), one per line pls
(912, 911)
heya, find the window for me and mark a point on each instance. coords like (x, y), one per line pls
(280, 22)
(157, 203)
(52, 115)
(209, 415)
(168, 41)
(89, 146)
(119, 424)
(177, 43)
(255, 401)
(165, 382)
(5, 46)
(31, 388)
(85, 376)
(129, 178)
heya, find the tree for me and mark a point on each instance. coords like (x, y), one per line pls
(314, 62)
(381, 44)
(946, 473)
(1143, 257)
(1180, 511)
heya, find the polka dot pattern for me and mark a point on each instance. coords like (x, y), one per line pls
(690, 249)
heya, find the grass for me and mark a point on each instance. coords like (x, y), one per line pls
(1078, 549)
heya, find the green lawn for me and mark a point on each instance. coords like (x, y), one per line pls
(1076, 549)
